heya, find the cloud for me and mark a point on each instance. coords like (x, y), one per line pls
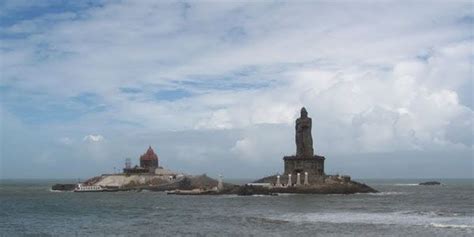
(264, 142)
(67, 140)
(93, 138)
(383, 77)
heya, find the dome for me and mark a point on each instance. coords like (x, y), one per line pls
(149, 155)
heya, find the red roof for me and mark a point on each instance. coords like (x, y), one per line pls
(149, 155)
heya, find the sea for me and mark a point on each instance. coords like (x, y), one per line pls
(401, 208)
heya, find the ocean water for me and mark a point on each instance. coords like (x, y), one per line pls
(29, 208)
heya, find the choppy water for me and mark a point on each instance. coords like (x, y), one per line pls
(401, 209)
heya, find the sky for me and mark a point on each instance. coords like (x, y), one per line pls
(215, 87)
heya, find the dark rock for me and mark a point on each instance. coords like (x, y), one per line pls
(192, 182)
(247, 190)
(430, 183)
(329, 185)
(343, 188)
(63, 187)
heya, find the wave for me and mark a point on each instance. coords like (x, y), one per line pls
(452, 226)
(292, 194)
(406, 184)
(59, 191)
(391, 218)
(385, 193)
(260, 195)
(228, 196)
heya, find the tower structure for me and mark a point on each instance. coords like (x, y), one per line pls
(128, 163)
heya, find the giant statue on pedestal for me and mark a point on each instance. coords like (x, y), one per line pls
(304, 171)
(304, 162)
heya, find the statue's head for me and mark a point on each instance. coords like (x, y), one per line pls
(304, 113)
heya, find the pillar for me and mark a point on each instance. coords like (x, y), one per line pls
(220, 185)
(298, 179)
(278, 184)
(289, 180)
(306, 178)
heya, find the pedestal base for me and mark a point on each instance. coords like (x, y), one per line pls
(313, 165)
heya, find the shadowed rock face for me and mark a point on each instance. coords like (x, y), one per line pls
(63, 187)
(330, 186)
(342, 188)
(303, 137)
(430, 183)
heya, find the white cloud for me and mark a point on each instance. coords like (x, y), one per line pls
(93, 138)
(374, 77)
(264, 142)
(66, 140)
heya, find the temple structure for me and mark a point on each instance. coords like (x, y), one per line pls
(149, 160)
(305, 162)
(148, 163)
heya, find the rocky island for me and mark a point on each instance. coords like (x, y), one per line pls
(303, 173)
(428, 183)
(146, 176)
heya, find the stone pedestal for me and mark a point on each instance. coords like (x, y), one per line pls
(314, 166)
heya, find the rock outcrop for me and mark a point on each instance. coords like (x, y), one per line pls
(430, 183)
(326, 185)
(63, 187)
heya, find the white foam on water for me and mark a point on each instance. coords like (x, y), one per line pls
(452, 226)
(228, 196)
(245, 196)
(392, 218)
(261, 195)
(385, 193)
(407, 184)
(59, 191)
(288, 194)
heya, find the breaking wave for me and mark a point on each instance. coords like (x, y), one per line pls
(289, 194)
(60, 191)
(452, 226)
(385, 193)
(393, 218)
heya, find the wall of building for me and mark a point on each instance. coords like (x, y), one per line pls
(314, 166)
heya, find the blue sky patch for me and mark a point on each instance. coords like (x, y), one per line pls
(16, 12)
(171, 95)
(36, 108)
(130, 90)
(87, 99)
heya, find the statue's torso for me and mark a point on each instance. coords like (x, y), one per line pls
(304, 140)
(303, 124)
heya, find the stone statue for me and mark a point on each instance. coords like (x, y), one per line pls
(304, 140)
